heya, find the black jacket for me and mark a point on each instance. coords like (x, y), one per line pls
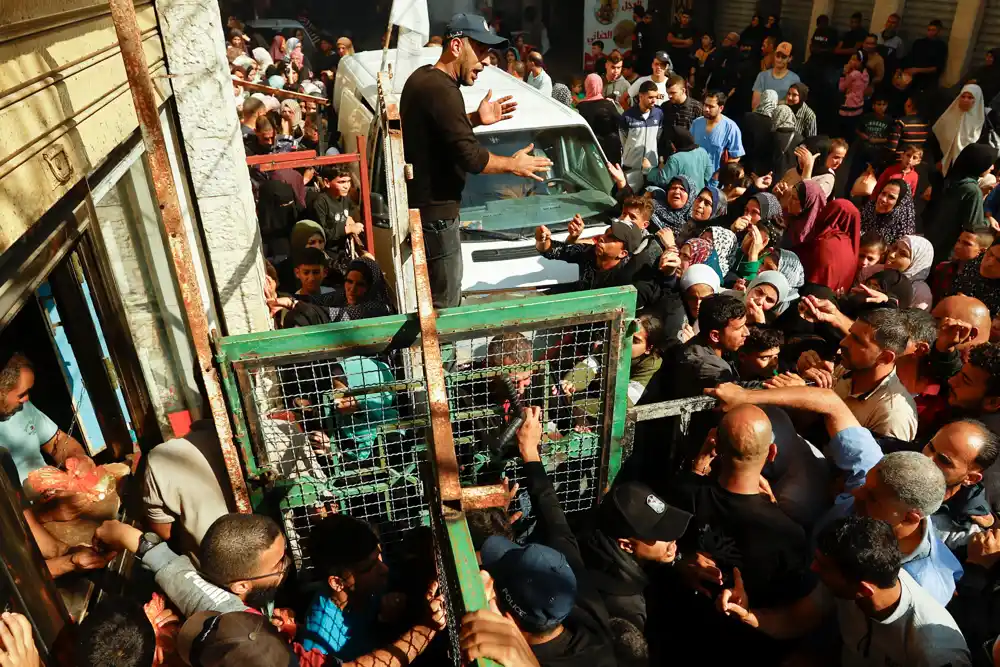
(618, 577)
(976, 608)
(586, 639)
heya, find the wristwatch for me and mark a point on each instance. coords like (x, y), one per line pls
(147, 542)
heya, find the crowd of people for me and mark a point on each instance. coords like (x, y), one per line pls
(813, 248)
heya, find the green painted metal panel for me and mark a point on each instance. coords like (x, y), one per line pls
(285, 387)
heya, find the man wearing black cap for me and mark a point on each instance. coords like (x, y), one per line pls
(635, 528)
(607, 262)
(541, 586)
(439, 142)
(662, 66)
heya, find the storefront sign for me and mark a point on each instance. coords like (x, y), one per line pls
(608, 21)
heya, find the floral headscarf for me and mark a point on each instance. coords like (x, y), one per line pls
(561, 93)
(724, 249)
(898, 222)
(769, 205)
(665, 217)
(789, 266)
(768, 103)
(699, 248)
(783, 118)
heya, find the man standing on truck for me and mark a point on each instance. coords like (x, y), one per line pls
(438, 141)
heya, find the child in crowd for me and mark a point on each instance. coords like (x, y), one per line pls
(628, 71)
(870, 252)
(909, 130)
(873, 130)
(905, 169)
(310, 270)
(969, 246)
(758, 358)
(576, 88)
(853, 84)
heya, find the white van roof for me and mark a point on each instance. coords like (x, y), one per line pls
(533, 109)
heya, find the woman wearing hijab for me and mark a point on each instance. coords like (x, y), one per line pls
(291, 119)
(708, 206)
(264, 60)
(724, 250)
(359, 415)
(277, 48)
(363, 294)
(757, 136)
(827, 242)
(345, 47)
(785, 138)
(672, 207)
(787, 262)
(801, 205)
(980, 278)
(913, 257)
(770, 293)
(960, 206)
(603, 117)
(686, 157)
(694, 251)
(698, 283)
(293, 53)
(562, 94)
(960, 125)
(891, 215)
(805, 118)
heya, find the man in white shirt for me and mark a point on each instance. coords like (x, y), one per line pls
(185, 483)
(884, 616)
(537, 76)
(661, 70)
(866, 378)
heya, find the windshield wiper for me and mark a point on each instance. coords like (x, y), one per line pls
(498, 236)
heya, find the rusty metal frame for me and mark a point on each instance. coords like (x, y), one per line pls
(278, 92)
(300, 159)
(144, 98)
(274, 158)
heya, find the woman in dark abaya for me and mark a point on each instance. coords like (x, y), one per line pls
(960, 206)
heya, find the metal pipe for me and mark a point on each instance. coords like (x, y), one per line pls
(144, 98)
(278, 92)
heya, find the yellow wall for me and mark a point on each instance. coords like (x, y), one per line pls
(64, 100)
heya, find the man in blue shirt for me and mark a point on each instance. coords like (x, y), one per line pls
(716, 133)
(779, 78)
(25, 431)
(903, 489)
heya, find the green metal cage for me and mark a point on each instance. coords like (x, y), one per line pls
(334, 418)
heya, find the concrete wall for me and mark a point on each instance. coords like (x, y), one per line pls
(64, 100)
(210, 133)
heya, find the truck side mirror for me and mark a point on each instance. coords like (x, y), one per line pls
(380, 211)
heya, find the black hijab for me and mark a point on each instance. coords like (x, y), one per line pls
(972, 162)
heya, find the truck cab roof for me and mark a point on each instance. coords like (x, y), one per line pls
(534, 109)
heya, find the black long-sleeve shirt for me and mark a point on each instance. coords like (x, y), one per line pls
(586, 639)
(438, 141)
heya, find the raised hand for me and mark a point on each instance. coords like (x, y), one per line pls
(493, 111)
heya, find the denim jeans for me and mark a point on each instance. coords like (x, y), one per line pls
(443, 245)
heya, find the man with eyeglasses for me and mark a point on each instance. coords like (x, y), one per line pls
(439, 143)
(779, 78)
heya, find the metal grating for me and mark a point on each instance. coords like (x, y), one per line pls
(334, 418)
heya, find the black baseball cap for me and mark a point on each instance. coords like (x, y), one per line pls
(664, 58)
(535, 583)
(633, 510)
(474, 27)
(235, 639)
(630, 235)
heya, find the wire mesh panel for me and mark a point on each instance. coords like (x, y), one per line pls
(334, 418)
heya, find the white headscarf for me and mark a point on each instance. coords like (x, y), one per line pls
(921, 257)
(701, 274)
(263, 58)
(779, 282)
(956, 129)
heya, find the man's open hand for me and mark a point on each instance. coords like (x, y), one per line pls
(527, 165)
(493, 111)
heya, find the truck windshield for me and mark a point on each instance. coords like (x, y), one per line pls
(577, 167)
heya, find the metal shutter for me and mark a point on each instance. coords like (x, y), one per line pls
(795, 15)
(735, 17)
(918, 13)
(989, 33)
(842, 10)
